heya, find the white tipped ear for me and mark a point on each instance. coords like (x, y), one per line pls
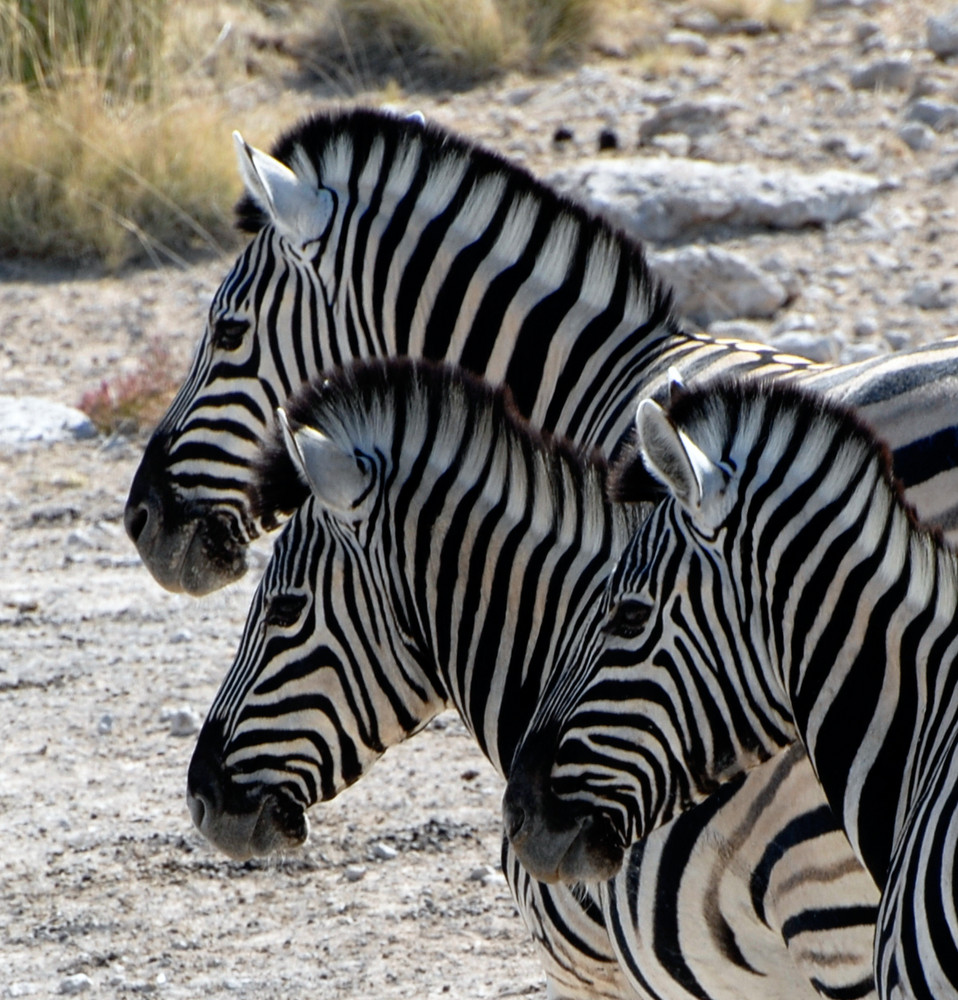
(677, 461)
(338, 480)
(300, 211)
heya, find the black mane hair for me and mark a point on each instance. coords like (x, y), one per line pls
(348, 394)
(629, 477)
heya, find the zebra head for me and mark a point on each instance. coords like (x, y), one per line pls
(438, 552)
(672, 696)
(376, 236)
(188, 510)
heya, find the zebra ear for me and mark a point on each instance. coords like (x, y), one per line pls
(300, 211)
(675, 459)
(339, 480)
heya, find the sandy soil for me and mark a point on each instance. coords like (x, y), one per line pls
(106, 887)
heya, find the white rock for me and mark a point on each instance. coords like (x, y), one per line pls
(105, 724)
(353, 873)
(805, 344)
(184, 721)
(943, 33)
(711, 285)
(665, 199)
(385, 852)
(917, 136)
(927, 295)
(26, 419)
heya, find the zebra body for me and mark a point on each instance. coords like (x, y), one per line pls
(820, 610)
(375, 236)
(442, 554)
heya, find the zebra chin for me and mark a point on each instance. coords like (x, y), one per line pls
(242, 820)
(187, 546)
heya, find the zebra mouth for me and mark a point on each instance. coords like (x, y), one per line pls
(277, 823)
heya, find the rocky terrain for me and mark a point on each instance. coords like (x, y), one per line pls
(800, 188)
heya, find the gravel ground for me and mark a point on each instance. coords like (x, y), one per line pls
(104, 676)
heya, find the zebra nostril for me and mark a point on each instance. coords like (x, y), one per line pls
(514, 816)
(135, 519)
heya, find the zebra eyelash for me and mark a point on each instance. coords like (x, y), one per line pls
(284, 610)
(628, 618)
(228, 334)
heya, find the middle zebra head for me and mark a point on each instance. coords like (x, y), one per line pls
(440, 553)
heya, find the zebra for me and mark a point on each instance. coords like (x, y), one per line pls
(440, 552)
(821, 610)
(373, 236)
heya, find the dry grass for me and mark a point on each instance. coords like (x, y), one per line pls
(84, 178)
(428, 43)
(136, 401)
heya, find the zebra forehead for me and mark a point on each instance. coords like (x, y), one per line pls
(366, 405)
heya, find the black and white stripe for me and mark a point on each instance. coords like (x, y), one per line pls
(783, 590)
(443, 555)
(374, 236)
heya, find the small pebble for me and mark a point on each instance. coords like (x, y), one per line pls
(182, 635)
(183, 721)
(480, 874)
(917, 136)
(105, 725)
(608, 140)
(385, 852)
(563, 134)
(353, 873)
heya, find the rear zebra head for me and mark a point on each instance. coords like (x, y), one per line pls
(376, 236)
(434, 536)
(686, 683)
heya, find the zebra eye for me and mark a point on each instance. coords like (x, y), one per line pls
(284, 610)
(628, 618)
(228, 333)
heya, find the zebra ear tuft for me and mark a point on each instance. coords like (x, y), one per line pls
(300, 211)
(340, 480)
(671, 456)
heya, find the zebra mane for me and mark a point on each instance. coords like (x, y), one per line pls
(332, 148)
(718, 406)
(360, 404)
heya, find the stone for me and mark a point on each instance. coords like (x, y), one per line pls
(805, 344)
(693, 43)
(936, 114)
(711, 285)
(927, 295)
(72, 985)
(917, 136)
(384, 851)
(882, 74)
(183, 721)
(665, 199)
(354, 873)
(943, 34)
(693, 118)
(29, 419)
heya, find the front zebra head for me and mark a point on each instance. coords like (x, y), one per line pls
(433, 533)
(686, 684)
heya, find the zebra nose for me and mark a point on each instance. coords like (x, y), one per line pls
(135, 519)
(513, 815)
(206, 778)
(142, 515)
